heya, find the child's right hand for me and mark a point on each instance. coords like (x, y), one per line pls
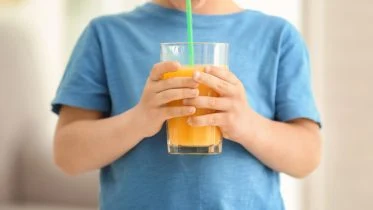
(152, 110)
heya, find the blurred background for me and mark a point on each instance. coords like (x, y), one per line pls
(36, 39)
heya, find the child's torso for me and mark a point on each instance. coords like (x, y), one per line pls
(147, 175)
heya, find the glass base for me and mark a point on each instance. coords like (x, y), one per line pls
(194, 150)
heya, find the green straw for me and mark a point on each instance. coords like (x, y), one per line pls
(189, 15)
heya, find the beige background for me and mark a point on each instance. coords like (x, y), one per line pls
(340, 34)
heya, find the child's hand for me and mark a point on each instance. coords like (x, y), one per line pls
(152, 110)
(234, 116)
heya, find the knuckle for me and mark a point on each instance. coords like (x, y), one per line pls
(240, 84)
(162, 96)
(171, 95)
(212, 120)
(205, 78)
(187, 82)
(166, 96)
(168, 82)
(155, 66)
(183, 111)
(213, 69)
(233, 93)
(154, 72)
(220, 71)
(235, 106)
(212, 102)
(179, 111)
(147, 87)
(188, 110)
(229, 120)
(184, 82)
(176, 112)
(194, 101)
(189, 101)
(197, 120)
(170, 112)
(173, 63)
(235, 80)
(237, 95)
(222, 85)
(231, 104)
(186, 93)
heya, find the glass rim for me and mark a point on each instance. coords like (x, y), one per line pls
(194, 43)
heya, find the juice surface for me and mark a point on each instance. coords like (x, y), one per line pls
(179, 132)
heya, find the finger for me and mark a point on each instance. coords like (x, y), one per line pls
(177, 111)
(218, 85)
(206, 102)
(222, 73)
(215, 119)
(173, 83)
(175, 94)
(161, 68)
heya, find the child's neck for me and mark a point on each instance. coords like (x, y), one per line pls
(214, 7)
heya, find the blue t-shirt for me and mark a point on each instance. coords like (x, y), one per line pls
(107, 72)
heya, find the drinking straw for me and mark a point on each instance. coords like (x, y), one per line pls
(189, 14)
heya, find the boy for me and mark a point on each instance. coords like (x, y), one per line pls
(111, 106)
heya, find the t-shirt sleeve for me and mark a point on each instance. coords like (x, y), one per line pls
(294, 97)
(84, 84)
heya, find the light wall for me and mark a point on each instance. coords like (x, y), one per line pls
(30, 62)
(349, 102)
(288, 9)
(340, 34)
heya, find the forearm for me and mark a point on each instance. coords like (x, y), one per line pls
(91, 144)
(285, 147)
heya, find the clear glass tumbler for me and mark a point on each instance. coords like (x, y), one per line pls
(183, 138)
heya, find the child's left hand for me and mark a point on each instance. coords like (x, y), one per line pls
(235, 116)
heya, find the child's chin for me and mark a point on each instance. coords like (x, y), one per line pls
(196, 4)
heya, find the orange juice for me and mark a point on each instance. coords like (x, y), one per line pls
(180, 133)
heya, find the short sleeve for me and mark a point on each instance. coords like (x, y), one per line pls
(84, 84)
(294, 97)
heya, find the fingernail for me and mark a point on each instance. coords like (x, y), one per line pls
(197, 74)
(207, 69)
(192, 110)
(177, 64)
(189, 121)
(196, 91)
(195, 84)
